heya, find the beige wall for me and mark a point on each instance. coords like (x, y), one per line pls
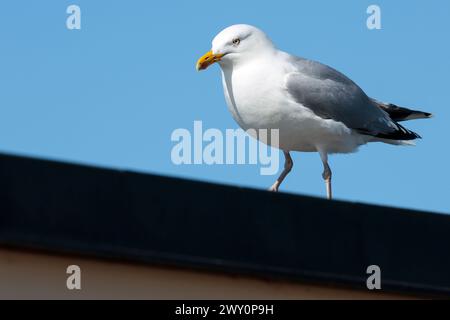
(31, 275)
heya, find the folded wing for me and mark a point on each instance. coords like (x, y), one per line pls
(331, 95)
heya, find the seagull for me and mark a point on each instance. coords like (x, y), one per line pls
(314, 107)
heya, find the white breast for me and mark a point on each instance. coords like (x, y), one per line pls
(253, 95)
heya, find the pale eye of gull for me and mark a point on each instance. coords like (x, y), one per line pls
(236, 42)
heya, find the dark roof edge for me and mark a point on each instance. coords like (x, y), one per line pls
(109, 214)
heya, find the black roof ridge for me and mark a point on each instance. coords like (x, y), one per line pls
(152, 219)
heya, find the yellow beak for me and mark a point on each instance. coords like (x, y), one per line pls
(208, 59)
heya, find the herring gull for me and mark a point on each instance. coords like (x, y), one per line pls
(314, 107)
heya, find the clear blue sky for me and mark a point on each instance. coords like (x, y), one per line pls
(104, 95)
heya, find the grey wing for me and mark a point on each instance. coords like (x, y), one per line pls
(331, 95)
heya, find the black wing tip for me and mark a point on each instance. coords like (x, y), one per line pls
(400, 134)
(398, 113)
(403, 134)
(418, 115)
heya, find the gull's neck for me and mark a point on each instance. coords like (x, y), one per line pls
(248, 58)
